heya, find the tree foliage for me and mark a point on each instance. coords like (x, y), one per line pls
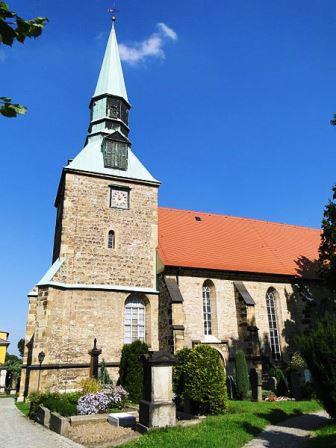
(199, 378)
(103, 376)
(318, 348)
(242, 376)
(131, 369)
(15, 28)
(327, 251)
(20, 346)
(14, 366)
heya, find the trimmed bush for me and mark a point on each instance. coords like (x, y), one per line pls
(199, 379)
(64, 404)
(318, 348)
(242, 376)
(131, 369)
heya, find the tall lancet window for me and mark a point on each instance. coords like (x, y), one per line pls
(134, 327)
(206, 293)
(271, 296)
(111, 240)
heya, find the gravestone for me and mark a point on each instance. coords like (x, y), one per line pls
(122, 419)
(272, 384)
(256, 384)
(157, 409)
(231, 387)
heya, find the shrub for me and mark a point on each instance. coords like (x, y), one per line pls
(308, 391)
(297, 362)
(318, 348)
(131, 369)
(282, 384)
(242, 376)
(199, 377)
(90, 386)
(64, 404)
(104, 377)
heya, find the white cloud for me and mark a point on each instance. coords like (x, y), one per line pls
(99, 36)
(169, 32)
(151, 47)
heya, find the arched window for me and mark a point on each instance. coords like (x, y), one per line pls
(134, 327)
(206, 293)
(111, 240)
(272, 323)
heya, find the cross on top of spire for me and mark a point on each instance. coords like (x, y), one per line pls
(114, 11)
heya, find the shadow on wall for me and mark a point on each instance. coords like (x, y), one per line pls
(304, 303)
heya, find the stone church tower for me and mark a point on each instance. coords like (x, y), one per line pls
(102, 283)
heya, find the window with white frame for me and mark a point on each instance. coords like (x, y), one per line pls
(134, 320)
(111, 240)
(206, 292)
(272, 323)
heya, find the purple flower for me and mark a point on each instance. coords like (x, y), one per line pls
(93, 403)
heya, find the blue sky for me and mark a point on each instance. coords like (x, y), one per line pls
(232, 116)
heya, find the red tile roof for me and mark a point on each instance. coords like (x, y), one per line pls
(236, 244)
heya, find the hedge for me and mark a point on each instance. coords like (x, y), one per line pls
(64, 404)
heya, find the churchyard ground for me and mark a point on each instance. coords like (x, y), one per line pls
(243, 421)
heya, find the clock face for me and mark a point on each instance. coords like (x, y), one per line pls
(119, 198)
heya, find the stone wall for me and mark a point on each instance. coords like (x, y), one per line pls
(290, 308)
(86, 220)
(66, 323)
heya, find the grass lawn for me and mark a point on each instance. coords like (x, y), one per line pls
(324, 437)
(242, 423)
(23, 406)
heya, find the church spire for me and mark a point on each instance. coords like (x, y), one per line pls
(109, 105)
(111, 79)
(107, 147)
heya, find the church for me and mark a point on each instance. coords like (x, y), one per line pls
(126, 269)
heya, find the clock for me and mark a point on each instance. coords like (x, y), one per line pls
(119, 198)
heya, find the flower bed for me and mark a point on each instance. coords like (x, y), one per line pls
(106, 400)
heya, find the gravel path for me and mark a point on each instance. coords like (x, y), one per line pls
(16, 431)
(290, 433)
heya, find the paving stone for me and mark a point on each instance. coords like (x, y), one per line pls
(19, 432)
(291, 433)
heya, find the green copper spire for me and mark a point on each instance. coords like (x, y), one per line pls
(111, 78)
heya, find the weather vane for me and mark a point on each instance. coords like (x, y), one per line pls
(113, 11)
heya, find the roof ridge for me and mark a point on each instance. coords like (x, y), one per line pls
(243, 217)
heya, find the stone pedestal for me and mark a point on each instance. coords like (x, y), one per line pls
(157, 409)
(256, 384)
(94, 361)
(3, 375)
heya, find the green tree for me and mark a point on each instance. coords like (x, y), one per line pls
(131, 369)
(242, 376)
(327, 251)
(14, 366)
(318, 348)
(15, 28)
(20, 346)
